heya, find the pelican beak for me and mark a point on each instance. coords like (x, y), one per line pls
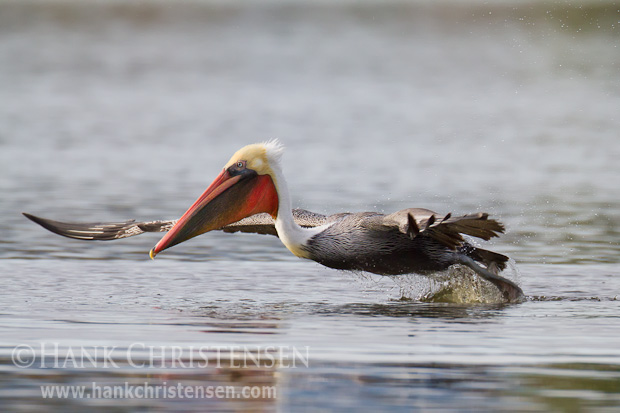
(233, 195)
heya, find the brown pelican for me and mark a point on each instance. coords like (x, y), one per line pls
(251, 195)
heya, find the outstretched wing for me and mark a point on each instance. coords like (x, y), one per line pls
(101, 231)
(264, 224)
(449, 231)
(106, 231)
(445, 229)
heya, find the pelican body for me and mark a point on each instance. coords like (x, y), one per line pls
(251, 195)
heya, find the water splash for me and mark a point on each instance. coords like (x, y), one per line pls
(512, 271)
(458, 285)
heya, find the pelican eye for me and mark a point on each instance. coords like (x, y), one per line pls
(240, 164)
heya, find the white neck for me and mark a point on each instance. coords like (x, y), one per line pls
(292, 235)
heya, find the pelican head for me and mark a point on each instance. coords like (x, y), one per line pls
(246, 186)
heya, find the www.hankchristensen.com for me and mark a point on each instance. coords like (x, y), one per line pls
(159, 391)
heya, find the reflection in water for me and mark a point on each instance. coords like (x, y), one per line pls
(413, 310)
(249, 380)
(362, 346)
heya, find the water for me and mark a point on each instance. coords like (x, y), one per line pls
(114, 111)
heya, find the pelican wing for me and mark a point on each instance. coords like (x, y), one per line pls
(106, 231)
(101, 231)
(264, 224)
(446, 229)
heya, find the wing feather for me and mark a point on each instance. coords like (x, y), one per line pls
(101, 231)
(264, 224)
(446, 229)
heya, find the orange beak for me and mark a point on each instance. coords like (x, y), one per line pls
(230, 198)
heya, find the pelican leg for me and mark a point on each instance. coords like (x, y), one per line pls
(510, 291)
